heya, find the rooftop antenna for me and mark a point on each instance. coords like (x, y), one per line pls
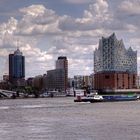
(17, 44)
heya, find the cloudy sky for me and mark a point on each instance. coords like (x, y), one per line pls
(46, 29)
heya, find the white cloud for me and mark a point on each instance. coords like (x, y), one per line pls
(130, 7)
(8, 27)
(98, 20)
(33, 10)
(4, 53)
(96, 17)
(37, 20)
(99, 9)
(77, 1)
(128, 12)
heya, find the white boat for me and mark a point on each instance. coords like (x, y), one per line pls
(89, 98)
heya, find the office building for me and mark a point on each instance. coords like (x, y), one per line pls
(62, 63)
(16, 66)
(57, 79)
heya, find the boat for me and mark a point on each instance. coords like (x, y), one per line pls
(89, 98)
(120, 97)
(106, 98)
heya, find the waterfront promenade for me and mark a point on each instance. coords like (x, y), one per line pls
(63, 119)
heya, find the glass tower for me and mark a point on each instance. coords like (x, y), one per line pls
(16, 65)
(112, 55)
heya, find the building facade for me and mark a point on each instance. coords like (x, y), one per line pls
(62, 63)
(57, 79)
(16, 66)
(115, 67)
(82, 81)
(79, 81)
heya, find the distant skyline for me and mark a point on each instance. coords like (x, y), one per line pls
(46, 29)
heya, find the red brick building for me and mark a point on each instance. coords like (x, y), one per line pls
(114, 80)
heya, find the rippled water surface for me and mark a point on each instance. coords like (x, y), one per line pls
(62, 119)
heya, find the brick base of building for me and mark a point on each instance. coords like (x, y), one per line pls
(114, 80)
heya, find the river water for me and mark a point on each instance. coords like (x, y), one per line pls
(63, 119)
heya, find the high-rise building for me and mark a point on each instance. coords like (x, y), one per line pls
(115, 67)
(62, 63)
(57, 79)
(16, 66)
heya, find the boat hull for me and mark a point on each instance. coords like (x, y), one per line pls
(107, 98)
(120, 97)
(89, 99)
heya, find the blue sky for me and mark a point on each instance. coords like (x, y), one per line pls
(46, 29)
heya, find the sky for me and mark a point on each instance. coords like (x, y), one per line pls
(46, 29)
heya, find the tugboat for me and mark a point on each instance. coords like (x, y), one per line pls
(94, 97)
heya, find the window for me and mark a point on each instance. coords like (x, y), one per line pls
(106, 76)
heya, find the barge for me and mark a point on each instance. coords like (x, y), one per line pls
(106, 98)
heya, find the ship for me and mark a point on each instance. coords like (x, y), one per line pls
(106, 98)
